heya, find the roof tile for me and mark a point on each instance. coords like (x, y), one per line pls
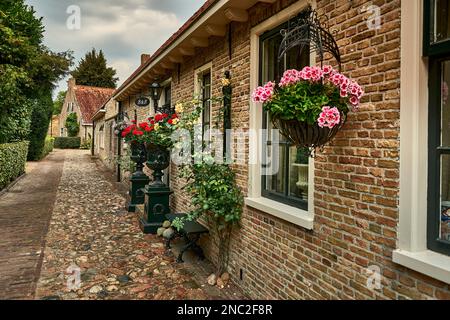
(90, 99)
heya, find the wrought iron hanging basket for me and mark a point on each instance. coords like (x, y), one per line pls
(308, 32)
(305, 135)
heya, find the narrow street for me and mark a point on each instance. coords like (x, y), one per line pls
(65, 221)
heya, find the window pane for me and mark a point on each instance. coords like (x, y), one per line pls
(299, 173)
(277, 182)
(270, 65)
(440, 20)
(445, 110)
(445, 197)
(290, 183)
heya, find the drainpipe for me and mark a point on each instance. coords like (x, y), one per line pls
(119, 145)
(93, 138)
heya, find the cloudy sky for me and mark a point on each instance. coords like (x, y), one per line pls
(123, 29)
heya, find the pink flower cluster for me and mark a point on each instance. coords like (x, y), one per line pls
(329, 117)
(348, 88)
(314, 74)
(264, 94)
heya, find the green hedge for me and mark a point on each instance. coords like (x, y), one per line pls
(13, 157)
(48, 146)
(67, 142)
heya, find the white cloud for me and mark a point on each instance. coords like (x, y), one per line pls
(123, 29)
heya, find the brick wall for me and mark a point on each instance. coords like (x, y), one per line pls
(356, 178)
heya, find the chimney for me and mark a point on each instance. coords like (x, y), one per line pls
(144, 58)
(71, 83)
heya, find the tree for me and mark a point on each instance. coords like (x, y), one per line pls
(59, 102)
(93, 71)
(28, 74)
(20, 37)
(72, 125)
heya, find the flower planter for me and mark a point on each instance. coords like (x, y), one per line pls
(157, 192)
(158, 159)
(303, 134)
(320, 96)
(138, 179)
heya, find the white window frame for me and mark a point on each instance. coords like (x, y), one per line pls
(292, 214)
(412, 249)
(166, 83)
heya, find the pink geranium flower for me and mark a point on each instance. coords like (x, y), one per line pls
(329, 117)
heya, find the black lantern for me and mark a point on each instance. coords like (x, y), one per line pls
(155, 92)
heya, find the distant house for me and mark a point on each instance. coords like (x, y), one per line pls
(84, 101)
(54, 126)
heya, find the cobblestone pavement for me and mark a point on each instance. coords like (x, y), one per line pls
(25, 212)
(91, 230)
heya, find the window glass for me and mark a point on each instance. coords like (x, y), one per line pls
(445, 109)
(206, 100)
(445, 197)
(445, 159)
(290, 184)
(440, 20)
(168, 95)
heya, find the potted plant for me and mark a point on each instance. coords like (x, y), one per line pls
(156, 135)
(309, 106)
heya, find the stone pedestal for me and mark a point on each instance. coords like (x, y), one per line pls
(139, 179)
(157, 193)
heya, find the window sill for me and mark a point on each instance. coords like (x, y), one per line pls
(430, 263)
(294, 215)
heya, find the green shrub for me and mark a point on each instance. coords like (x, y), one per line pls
(13, 157)
(67, 142)
(73, 128)
(86, 145)
(40, 120)
(48, 146)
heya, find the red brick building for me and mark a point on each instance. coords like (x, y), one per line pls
(372, 201)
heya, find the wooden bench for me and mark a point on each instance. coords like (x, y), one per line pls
(191, 232)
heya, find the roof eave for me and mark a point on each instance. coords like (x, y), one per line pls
(224, 11)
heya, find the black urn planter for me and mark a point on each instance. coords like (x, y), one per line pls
(158, 159)
(157, 192)
(305, 135)
(138, 179)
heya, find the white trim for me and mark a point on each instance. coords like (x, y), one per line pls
(412, 243)
(282, 211)
(294, 215)
(427, 262)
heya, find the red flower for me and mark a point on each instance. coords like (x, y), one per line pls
(143, 125)
(174, 116)
(165, 115)
(125, 133)
(148, 129)
(170, 121)
(137, 133)
(159, 117)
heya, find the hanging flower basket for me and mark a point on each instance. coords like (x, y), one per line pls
(310, 106)
(304, 135)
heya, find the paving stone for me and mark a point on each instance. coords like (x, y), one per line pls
(90, 229)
